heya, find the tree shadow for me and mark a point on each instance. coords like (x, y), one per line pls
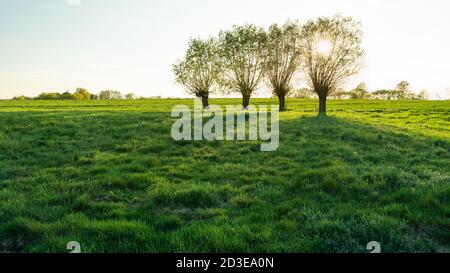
(333, 184)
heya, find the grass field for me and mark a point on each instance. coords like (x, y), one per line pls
(109, 175)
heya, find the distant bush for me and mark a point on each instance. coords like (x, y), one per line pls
(130, 96)
(401, 92)
(67, 96)
(82, 93)
(74, 96)
(110, 95)
(20, 98)
(340, 94)
(423, 95)
(303, 93)
(49, 96)
(360, 92)
(383, 94)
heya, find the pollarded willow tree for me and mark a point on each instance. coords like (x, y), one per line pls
(332, 53)
(200, 68)
(243, 51)
(283, 58)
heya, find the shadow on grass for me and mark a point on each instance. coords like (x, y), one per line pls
(116, 181)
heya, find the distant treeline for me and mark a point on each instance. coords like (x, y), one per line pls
(81, 94)
(401, 92)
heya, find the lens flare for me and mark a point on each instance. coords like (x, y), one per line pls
(324, 47)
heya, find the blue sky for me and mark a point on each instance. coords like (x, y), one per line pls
(58, 45)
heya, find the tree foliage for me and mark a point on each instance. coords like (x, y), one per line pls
(403, 91)
(82, 93)
(423, 95)
(110, 95)
(130, 96)
(49, 96)
(360, 92)
(20, 98)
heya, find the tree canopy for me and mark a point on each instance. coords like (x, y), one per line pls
(360, 92)
(82, 93)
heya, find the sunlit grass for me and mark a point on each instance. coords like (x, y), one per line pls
(108, 174)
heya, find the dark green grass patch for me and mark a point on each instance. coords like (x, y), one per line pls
(109, 175)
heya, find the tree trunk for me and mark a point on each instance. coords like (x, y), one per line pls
(282, 101)
(323, 105)
(245, 101)
(205, 101)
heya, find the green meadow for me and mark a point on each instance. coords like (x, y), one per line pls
(109, 175)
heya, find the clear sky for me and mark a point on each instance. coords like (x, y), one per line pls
(58, 45)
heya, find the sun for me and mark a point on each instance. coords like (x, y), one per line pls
(324, 47)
